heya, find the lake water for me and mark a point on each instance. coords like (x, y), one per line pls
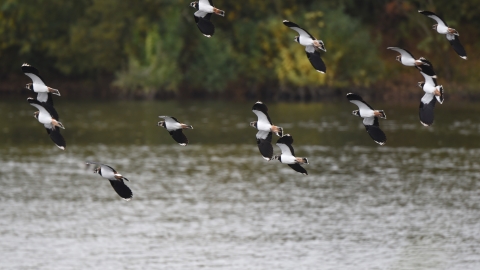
(216, 204)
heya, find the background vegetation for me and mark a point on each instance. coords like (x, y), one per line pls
(153, 49)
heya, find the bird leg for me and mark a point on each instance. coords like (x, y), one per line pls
(56, 123)
(53, 91)
(453, 31)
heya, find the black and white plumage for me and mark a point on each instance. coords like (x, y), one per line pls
(47, 115)
(38, 86)
(174, 127)
(288, 155)
(264, 123)
(312, 46)
(116, 179)
(451, 34)
(264, 143)
(202, 16)
(407, 59)
(433, 93)
(370, 118)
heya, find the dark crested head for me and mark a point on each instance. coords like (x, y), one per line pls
(98, 170)
(434, 27)
(29, 86)
(194, 5)
(162, 124)
(356, 113)
(421, 84)
(322, 45)
(279, 158)
(399, 58)
(297, 39)
(253, 124)
(35, 114)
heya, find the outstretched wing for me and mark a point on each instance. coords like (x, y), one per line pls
(122, 190)
(403, 52)
(285, 144)
(265, 147)
(429, 79)
(32, 73)
(261, 111)
(357, 100)
(57, 138)
(433, 16)
(297, 167)
(179, 137)
(302, 32)
(204, 24)
(315, 59)
(373, 128)
(426, 67)
(425, 112)
(457, 46)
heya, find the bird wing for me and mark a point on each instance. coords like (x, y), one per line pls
(297, 167)
(457, 46)
(265, 147)
(427, 98)
(302, 32)
(32, 73)
(45, 97)
(285, 144)
(262, 116)
(315, 59)
(57, 138)
(403, 52)
(370, 121)
(179, 137)
(206, 2)
(376, 133)
(40, 106)
(201, 14)
(101, 165)
(433, 16)
(170, 119)
(357, 100)
(426, 67)
(205, 25)
(122, 190)
(264, 135)
(429, 79)
(425, 111)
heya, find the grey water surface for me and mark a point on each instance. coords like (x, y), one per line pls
(216, 204)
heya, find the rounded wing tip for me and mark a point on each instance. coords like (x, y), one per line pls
(183, 144)
(285, 21)
(323, 72)
(463, 57)
(127, 199)
(420, 11)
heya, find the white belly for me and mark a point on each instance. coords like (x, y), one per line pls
(107, 173)
(44, 119)
(408, 61)
(264, 126)
(366, 113)
(173, 126)
(40, 88)
(306, 41)
(428, 88)
(288, 159)
(442, 29)
(205, 8)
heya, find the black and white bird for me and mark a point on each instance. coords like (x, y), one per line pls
(265, 128)
(450, 33)
(312, 46)
(47, 116)
(407, 59)
(433, 93)
(288, 155)
(38, 86)
(174, 127)
(370, 118)
(202, 16)
(116, 179)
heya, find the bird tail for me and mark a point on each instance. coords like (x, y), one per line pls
(278, 131)
(382, 114)
(54, 91)
(440, 98)
(219, 12)
(301, 160)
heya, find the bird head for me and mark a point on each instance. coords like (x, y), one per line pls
(253, 124)
(194, 5)
(356, 113)
(35, 114)
(98, 170)
(399, 58)
(434, 27)
(162, 124)
(279, 158)
(297, 39)
(421, 84)
(29, 86)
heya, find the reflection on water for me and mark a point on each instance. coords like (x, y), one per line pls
(216, 204)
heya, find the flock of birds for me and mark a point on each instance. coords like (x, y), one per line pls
(48, 116)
